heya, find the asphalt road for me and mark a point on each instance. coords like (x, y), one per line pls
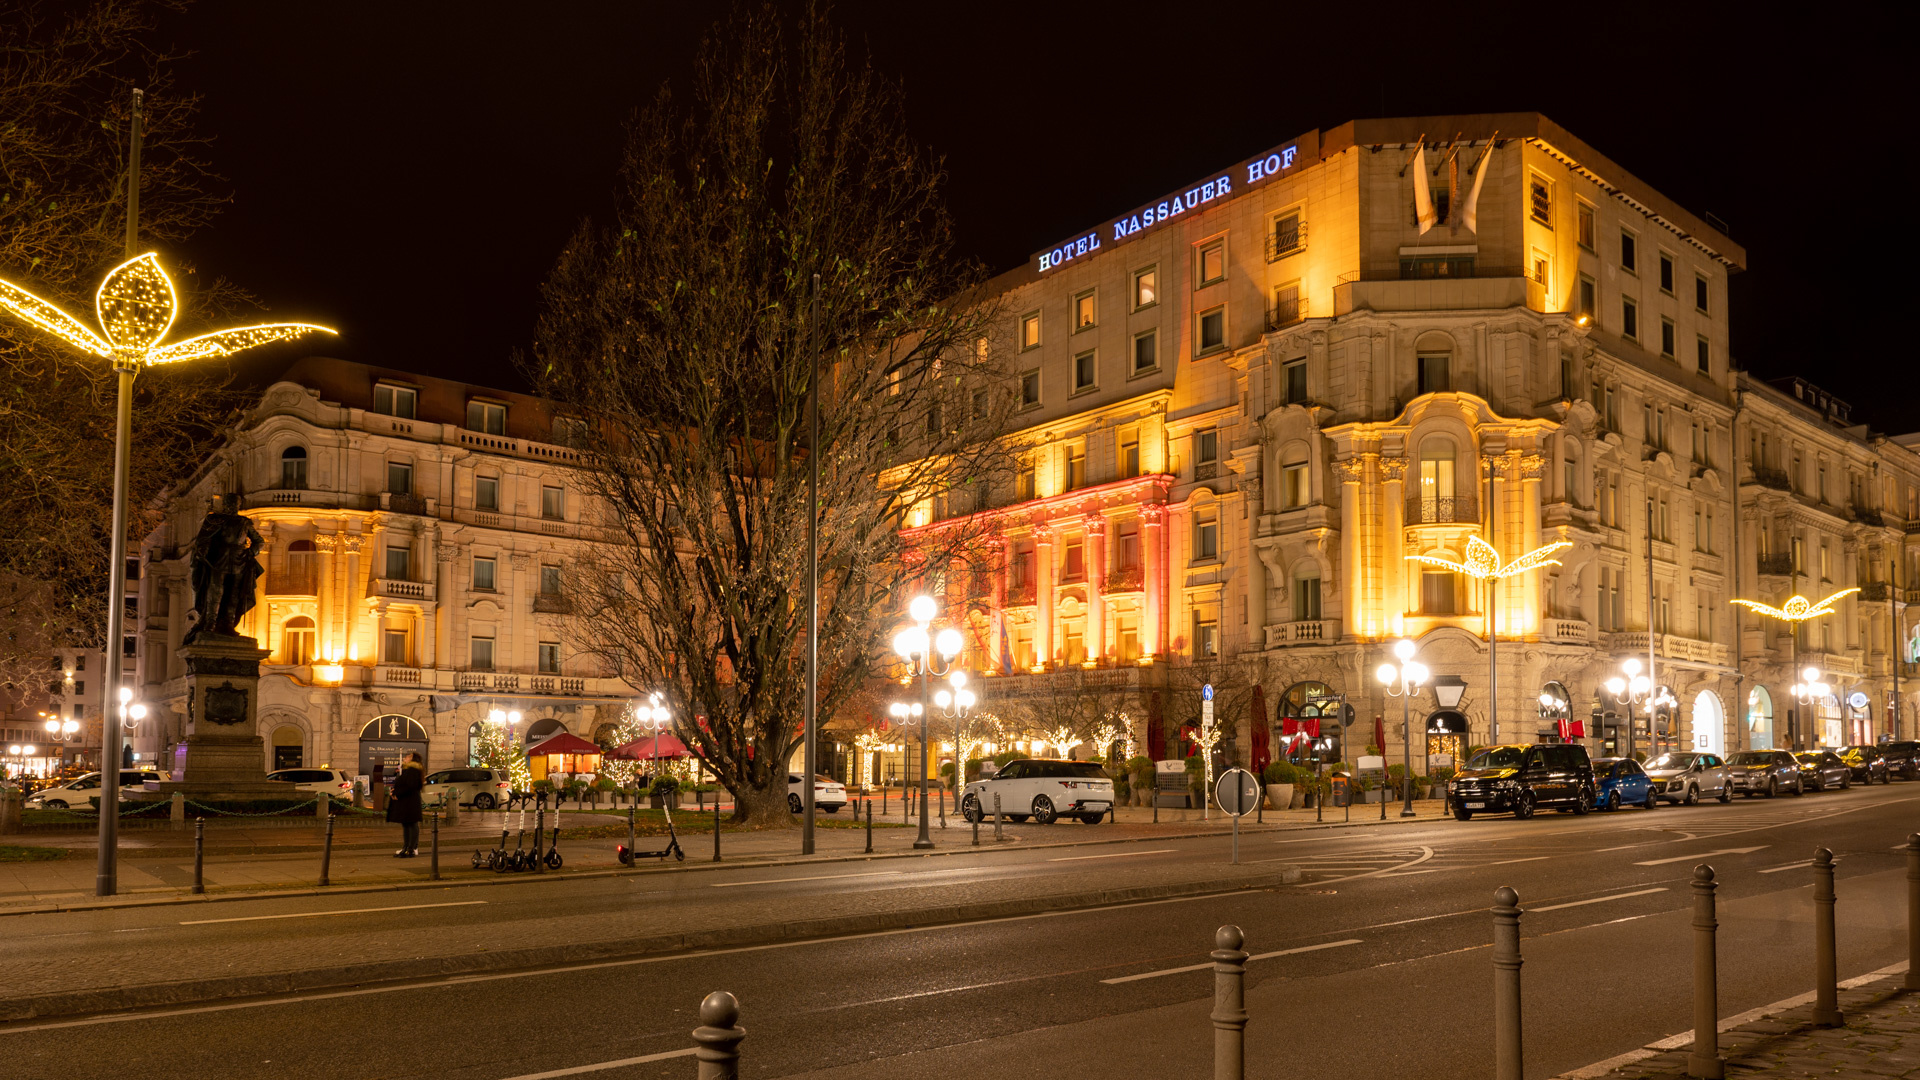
(1385, 963)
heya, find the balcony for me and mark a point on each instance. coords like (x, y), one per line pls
(1869, 517)
(1124, 579)
(1282, 243)
(556, 684)
(487, 680)
(1876, 592)
(1492, 288)
(1020, 595)
(1568, 631)
(1775, 565)
(553, 604)
(400, 503)
(298, 581)
(1286, 313)
(1771, 478)
(1444, 510)
(388, 675)
(1669, 646)
(396, 589)
(1303, 632)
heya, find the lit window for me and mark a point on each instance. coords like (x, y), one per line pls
(1540, 200)
(1287, 308)
(553, 503)
(1129, 455)
(1212, 263)
(1030, 331)
(1206, 446)
(1083, 372)
(486, 493)
(1146, 354)
(1437, 592)
(1213, 330)
(1076, 473)
(398, 556)
(1146, 290)
(486, 417)
(1083, 312)
(1293, 484)
(1586, 226)
(1287, 236)
(483, 573)
(394, 401)
(1030, 389)
(1206, 536)
(393, 647)
(298, 633)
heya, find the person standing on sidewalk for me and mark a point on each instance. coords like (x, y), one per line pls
(405, 805)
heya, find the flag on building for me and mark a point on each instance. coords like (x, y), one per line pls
(1422, 196)
(1470, 209)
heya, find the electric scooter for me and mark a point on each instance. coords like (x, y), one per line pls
(491, 860)
(518, 859)
(628, 855)
(553, 845)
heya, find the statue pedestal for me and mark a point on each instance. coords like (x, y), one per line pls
(222, 755)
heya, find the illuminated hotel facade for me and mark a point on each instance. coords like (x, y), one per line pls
(1245, 404)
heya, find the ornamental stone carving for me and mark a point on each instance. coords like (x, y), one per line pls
(446, 552)
(1350, 470)
(1532, 467)
(326, 543)
(1392, 469)
(350, 543)
(521, 560)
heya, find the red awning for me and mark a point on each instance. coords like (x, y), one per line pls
(562, 743)
(646, 748)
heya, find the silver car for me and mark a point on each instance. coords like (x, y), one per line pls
(1686, 776)
(1822, 770)
(1765, 772)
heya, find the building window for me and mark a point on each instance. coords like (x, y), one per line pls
(1585, 215)
(1206, 634)
(1287, 235)
(1437, 592)
(1540, 200)
(1666, 273)
(549, 658)
(1434, 376)
(297, 640)
(399, 478)
(1146, 352)
(1213, 330)
(1587, 306)
(553, 503)
(394, 401)
(397, 557)
(1628, 256)
(1295, 372)
(1129, 454)
(1425, 268)
(1146, 290)
(1206, 535)
(1084, 372)
(1073, 566)
(1206, 447)
(1306, 597)
(1083, 312)
(1436, 474)
(483, 568)
(293, 468)
(1212, 264)
(1025, 481)
(481, 656)
(1629, 318)
(1666, 338)
(550, 580)
(1700, 353)
(1126, 547)
(486, 493)
(486, 417)
(1700, 294)
(1287, 309)
(1076, 471)
(393, 647)
(1030, 330)
(1030, 389)
(1293, 485)
(1570, 477)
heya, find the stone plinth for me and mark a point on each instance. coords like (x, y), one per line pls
(221, 756)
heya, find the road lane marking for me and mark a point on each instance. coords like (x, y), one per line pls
(816, 877)
(324, 914)
(1801, 865)
(1250, 959)
(1508, 862)
(1425, 854)
(1703, 855)
(1596, 900)
(1115, 855)
(622, 1063)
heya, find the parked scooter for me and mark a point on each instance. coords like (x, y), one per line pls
(628, 854)
(518, 860)
(553, 846)
(491, 860)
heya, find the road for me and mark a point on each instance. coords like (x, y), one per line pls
(1385, 963)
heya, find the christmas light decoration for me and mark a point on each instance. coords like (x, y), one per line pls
(1483, 561)
(136, 305)
(1797, 608)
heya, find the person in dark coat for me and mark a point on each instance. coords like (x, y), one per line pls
(405, 805)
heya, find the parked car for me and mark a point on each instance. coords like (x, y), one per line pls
(1522, 779)
(1683, 776)
(1765, 772)
(1043, 789)
(828, 794)
(1867, 763)
(334, 782)
(482, 789)
(1823, 769)
(76, 793)
(1622, 782)
(1903, 758)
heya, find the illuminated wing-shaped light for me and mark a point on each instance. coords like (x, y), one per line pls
(1763, 609)
(1482, 560)
(136, 304)
(1823, 607)
(51, 319)
(1444, 564)
(1540, 556)
(228, 342)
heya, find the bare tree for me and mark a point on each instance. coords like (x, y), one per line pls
(683, 331)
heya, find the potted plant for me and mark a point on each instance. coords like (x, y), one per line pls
(1141, 780)
(1196, 780)
(1396, 777)
(666, 792)
(606, 784)
(1279, 780)
(1440, 778)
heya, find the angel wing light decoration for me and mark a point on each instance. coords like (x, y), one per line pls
(1797, 608)
(1483, 561)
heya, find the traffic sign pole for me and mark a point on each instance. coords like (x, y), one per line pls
(1237, 793)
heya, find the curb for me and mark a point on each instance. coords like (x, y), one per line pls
(113, 999)
(95, 904)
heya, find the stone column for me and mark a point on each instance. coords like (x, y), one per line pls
(328, 637)
(356, 590)
(997, 552)
(1153, 517)
(437, 632)
(1395, 599)
(1094, 546)
(1043, 593)
(1351, 474)
(1531, 471)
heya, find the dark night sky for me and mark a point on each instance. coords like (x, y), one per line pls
(408, 171)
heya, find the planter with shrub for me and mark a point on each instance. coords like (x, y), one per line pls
(1279, 778)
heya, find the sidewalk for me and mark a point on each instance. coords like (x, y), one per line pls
(156, 865)
(1881, 1038)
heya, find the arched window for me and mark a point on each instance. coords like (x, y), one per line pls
(1306, 594)
(1759, 719)
(293, 468)
(297, 636)
(1436, 467)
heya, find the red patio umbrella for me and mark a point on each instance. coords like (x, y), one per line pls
(1379, 733)
(644, 749)
(1262, 752)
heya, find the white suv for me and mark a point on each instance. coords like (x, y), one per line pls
(77, 793)
(482, 789)
(334, 782)
(1687, 777)
(828, 795)
(1046, 790)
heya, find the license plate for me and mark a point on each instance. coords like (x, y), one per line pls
(1476, 806)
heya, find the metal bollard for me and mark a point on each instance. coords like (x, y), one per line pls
(630, 810)
(199, 854)
(943, 804)
(178, 811)
(996, 818)
(1913, 911)
(1826, 977)
(1229, 1004)
(436, 847)
(869, 803)
(326, 849)
(1705, 1061)
(539, 830)
(716, 826)
(976, 827)
(719, 1036)
(1506, 984)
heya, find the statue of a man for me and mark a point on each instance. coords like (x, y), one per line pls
(224, 568)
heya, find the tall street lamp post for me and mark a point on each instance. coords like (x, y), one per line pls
(1637, 689)
(955, 705)
(1409, 674)
(919, 649)
(907, 713)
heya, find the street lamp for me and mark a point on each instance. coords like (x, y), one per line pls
(1807, 691)
(1409, 674)
(1637, 689)
(654, 715)
(926, 656)
(955, 706)
(131, 712)
(905, 713)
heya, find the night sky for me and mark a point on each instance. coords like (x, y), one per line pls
(408, 171)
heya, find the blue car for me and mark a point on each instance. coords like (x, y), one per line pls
(1622, 782)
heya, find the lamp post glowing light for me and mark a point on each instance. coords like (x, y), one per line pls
(1409, 674)
(1807, 692)
(1637, 689)
(926, 656)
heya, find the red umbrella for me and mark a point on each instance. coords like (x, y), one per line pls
(1262, 752)
(1379, 733)
(644, 749)
(562, 743)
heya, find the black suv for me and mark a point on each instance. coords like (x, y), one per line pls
(1521, 779)
(1903, 758)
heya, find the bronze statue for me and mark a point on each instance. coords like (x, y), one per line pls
(224, 568)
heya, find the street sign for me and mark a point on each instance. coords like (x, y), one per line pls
(1237, 792)
(1206, 706)
(1206, 692)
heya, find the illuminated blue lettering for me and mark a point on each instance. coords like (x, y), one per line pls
(1224, 185)
(1161, 214)
(1193, 198)
(1287, 156)
(1206, 191)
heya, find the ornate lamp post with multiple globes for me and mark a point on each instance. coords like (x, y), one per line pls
(1409, 674)
(927, 656)
(1808, 691)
